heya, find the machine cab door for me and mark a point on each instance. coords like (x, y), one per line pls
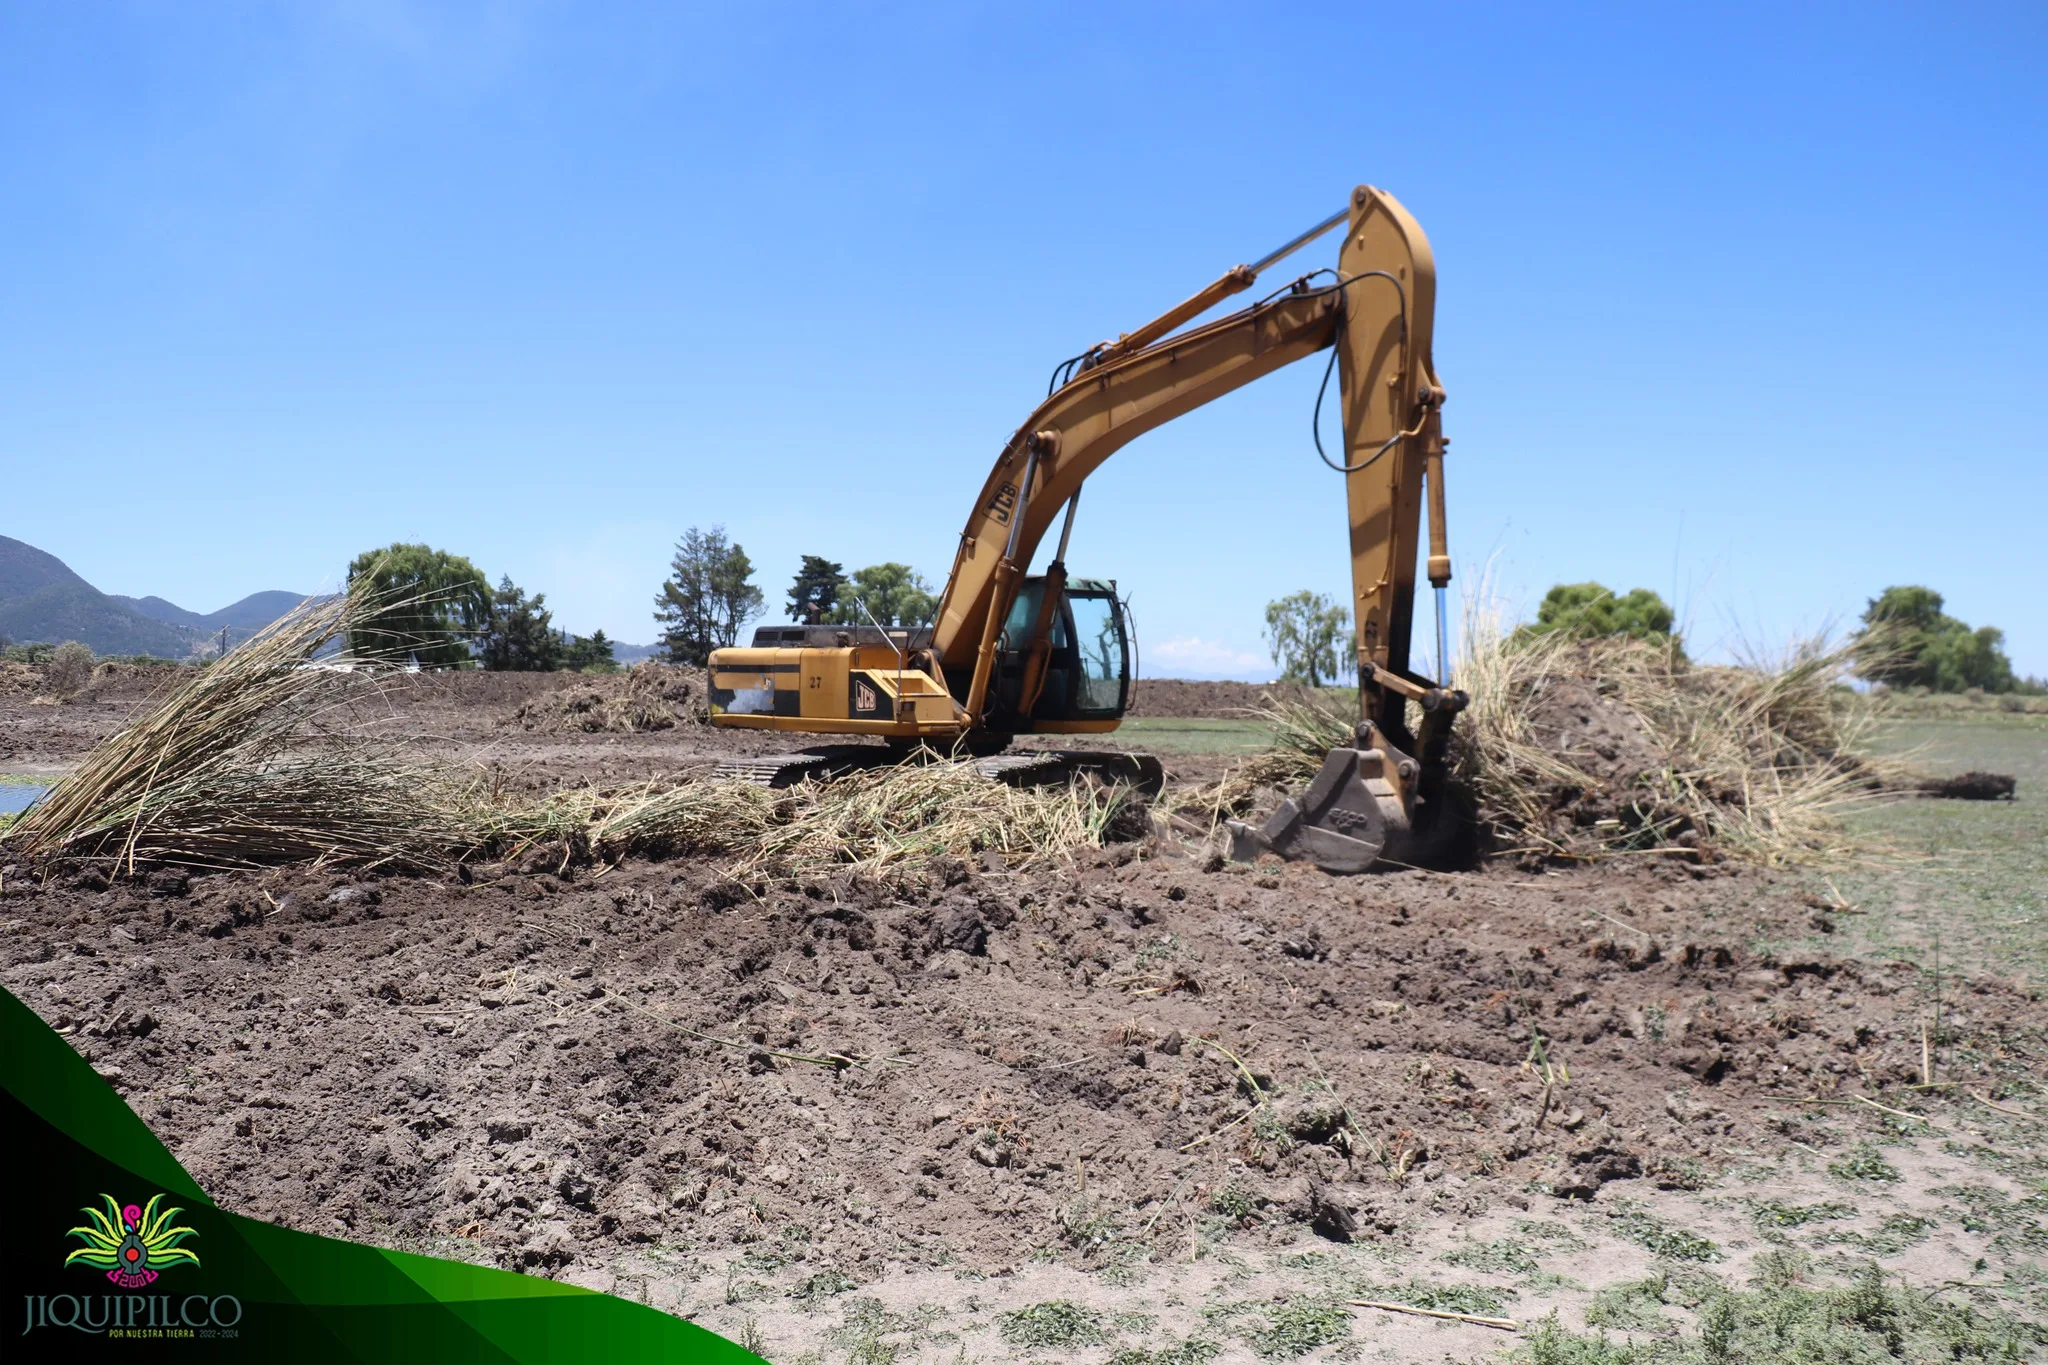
(1088, 665)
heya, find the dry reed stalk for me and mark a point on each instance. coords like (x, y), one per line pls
(239, 767)
(886, 817)
(879, 819)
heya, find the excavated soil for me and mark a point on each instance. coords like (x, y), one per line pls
(525, 1060)
(561, 1069)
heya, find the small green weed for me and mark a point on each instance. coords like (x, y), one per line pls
(1235, 1202)
(1636, 1306)
(1485, 1300)
(1894, 1235)
(1502, 1257)
(1653, 1234)
(1085, 1228)
(1865, 1163)
(1053, 1324)
(1298, 1326)
(1193, 1351)
(1556, 1234)
(815, 1289)
(1773, 1213)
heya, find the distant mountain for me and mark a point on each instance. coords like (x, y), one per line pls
(25, 569)
(628, 655)
(79, 611)
(43, 602)
(247, 616)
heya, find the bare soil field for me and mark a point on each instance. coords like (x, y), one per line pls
(1143, 1106)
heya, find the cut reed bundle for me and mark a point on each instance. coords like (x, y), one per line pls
(239, 767)
(879, 818)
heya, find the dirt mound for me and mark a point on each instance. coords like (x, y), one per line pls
(649, 696)
(969, 1066)
(1586, 748)
(1595, 737)
(1181, 698)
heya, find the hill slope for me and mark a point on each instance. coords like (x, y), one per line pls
(43, 602)
(79, 611)
(245, 617)
(24, 569)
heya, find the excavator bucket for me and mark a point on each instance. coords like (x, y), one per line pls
(1354, 814)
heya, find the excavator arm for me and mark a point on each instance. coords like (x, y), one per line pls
(1377, 311)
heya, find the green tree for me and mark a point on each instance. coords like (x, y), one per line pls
(1307, 631)
(430, 606)
(1592, 611)
(708, 596)
(590, 653)
(894, 593)
(1908, 641)
(520, 637)
(816, 590)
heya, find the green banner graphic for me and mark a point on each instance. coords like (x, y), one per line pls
(116, 1254)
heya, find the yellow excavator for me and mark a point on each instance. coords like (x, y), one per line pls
(1012, 653)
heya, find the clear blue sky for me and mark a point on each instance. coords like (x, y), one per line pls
(1743, 304)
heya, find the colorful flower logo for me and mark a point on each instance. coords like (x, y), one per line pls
(132, 1244)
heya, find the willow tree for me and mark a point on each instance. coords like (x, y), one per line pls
(430, 606)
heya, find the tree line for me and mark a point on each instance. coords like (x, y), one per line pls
(710, 594)
(441, 611)
(444, 614)
(1906, 640)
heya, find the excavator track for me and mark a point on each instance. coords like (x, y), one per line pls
(1023, 768)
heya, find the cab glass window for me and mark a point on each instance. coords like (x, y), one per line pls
(1100, 640)
(1024, 615)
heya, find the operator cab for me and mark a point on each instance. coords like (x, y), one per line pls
(1088, 673)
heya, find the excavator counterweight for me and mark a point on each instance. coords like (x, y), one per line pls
(1014, 653)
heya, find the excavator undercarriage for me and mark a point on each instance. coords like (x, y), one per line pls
(1014, 653)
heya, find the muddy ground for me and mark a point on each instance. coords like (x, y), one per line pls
(1176, 1095)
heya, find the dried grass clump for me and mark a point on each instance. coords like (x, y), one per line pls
(1587, 748)
(241, 766)
(653, 819)
(1304, 729)
(885, 817)
(1592, 748)
(873, 820)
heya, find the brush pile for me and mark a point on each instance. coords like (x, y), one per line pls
(874, 820)
(1583, 748)
(649, 696)
(1577, 749)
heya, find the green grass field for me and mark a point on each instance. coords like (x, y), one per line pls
(1972, 876)
(1177, 735)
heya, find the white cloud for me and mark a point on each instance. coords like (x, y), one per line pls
(1193, 657)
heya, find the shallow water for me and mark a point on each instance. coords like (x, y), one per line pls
(13, 798)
